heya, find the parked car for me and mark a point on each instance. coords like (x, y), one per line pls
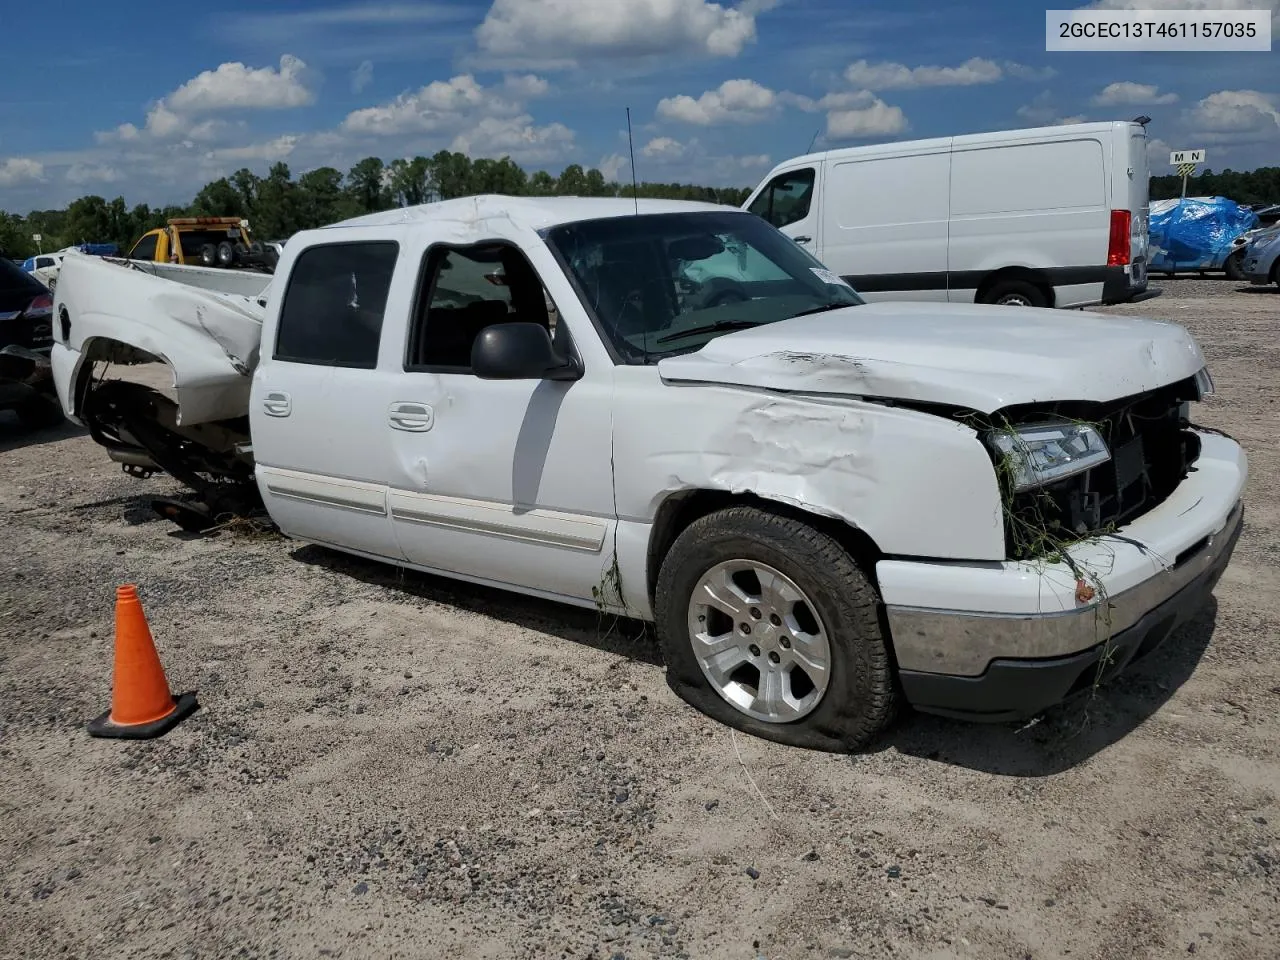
(823, 504)
(1045, 217)
(1268, 218)
(1260, 260)
(26, 315)
(44, 267)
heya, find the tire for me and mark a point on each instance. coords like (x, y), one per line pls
(40, 413)
(226, 254)
(1017, 293)
(1234, 267)
(858, 700)
(209, 255)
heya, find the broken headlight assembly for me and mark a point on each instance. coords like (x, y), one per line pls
(1204, 383)
(1033, 455)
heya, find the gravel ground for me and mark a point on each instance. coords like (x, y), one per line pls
(392, 765)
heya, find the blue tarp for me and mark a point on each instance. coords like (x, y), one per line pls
(100, 249)
(1195, 233)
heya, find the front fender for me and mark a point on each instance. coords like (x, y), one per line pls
(918, 485)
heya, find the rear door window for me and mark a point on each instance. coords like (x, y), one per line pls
(334, 303)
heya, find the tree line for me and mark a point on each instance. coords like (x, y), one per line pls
(1252, 186)
(278, 206)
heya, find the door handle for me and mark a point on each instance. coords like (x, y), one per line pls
(804, 239)
(277, 403)
(413, 417)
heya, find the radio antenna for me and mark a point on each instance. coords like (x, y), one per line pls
(631, 147)
(813, 140)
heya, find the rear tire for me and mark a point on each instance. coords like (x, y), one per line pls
(827, 605)
(1016, 293)
(226, 254)
(209, 255)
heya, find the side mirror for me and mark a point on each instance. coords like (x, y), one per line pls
(520, 351)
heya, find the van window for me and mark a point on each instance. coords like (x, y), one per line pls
(145, 249)
(888, 191)
(462, 291)
(1018, 178)
(333, 305)
(786, 199)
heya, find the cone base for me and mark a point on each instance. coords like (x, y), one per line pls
(103, 727)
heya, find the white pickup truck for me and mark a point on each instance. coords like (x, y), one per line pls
(671, 411)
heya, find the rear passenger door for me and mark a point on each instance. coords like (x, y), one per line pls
(318, 408)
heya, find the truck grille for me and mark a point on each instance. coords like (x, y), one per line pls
(1151, 452)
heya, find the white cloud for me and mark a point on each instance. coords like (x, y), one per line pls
(269, 151)
(362, 76)
(236, 86)
(754, 161)
(1127, 93)
(1241, 113)
(613, 166)
(439, 104)
(663, 148)
(1157, 152)
(232, 86)
(897, 76)
(516, 137)
(734, 101)
(16, 170)
(526, 86)
(838, 100)
(1042, 111)
(559, 32)
(1021, 71)
(877, 120)
(82, 173)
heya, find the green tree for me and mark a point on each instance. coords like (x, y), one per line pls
(452, 175)
(278, 209)
(367, 185)
(572, 182)
(321, 199)
(220, 199)
(411, 181)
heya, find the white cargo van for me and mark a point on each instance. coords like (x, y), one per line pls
(1051, 216)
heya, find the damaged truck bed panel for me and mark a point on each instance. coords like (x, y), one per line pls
(209, 339)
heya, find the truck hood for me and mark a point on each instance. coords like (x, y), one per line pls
(980, 357)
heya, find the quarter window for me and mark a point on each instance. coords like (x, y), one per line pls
(334, 304)
(786, 199)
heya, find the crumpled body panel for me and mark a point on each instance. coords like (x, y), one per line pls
(209, 339)
(980, 357)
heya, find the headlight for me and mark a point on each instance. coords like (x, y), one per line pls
(1037, 454)
(1204, 382)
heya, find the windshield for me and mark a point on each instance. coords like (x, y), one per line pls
(660, 284)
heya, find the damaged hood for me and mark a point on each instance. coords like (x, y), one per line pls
(968, 355)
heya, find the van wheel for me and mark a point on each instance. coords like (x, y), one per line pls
(767, 625)
(1016, 293)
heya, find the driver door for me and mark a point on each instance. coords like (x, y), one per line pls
(787, 203)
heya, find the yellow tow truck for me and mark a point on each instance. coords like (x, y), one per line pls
(204, 241)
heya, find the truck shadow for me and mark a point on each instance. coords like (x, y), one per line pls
(1070, 734)
(13, 435)
(617, 635)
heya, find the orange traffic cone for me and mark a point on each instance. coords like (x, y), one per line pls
(141, 704)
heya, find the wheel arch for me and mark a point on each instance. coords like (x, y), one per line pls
(1037, 278)
(682, 508)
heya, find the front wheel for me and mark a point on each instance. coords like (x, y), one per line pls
(769, 626)
(1234, 267)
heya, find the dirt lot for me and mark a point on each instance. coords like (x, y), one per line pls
(391, 765)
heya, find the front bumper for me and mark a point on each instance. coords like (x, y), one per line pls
(969, 638)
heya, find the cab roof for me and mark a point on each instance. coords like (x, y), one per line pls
(536, 213)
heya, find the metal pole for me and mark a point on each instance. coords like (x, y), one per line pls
(1184, 186)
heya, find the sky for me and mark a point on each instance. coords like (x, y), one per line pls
(151, 105)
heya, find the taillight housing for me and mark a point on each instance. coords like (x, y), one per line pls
(41, 306)
(1118, 244)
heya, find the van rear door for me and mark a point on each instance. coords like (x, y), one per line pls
(1138, 190)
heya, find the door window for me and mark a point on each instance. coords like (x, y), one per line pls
(786, 199)
(462, 291)
(333, 307)
(145, 249)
